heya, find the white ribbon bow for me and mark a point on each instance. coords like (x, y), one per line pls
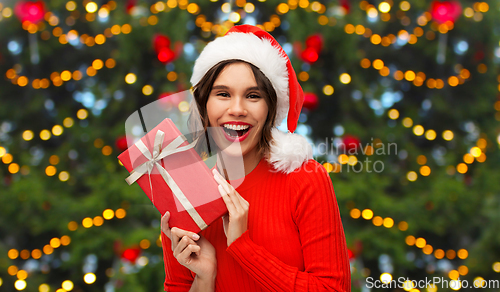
(154, 160)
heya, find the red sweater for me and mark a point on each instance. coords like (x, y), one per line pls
(294, 242)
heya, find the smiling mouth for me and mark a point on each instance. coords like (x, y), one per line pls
(235, 133)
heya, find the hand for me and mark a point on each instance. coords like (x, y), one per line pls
(237, 222)
(191, 250)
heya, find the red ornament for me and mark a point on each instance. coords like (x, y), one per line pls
(122, 143)
(32, 11)
(346, 5)
(309, 55)
(129, 5)
(166, 55)
(315, 42)
(310, 101)
(443, 11)
(161, 45)
(160, 41)
(131, 254)
(350, 143)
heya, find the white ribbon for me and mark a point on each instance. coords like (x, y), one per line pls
(153, 160)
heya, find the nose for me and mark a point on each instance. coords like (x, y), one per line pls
(237, 107)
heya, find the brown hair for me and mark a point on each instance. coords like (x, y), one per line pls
(201, 92)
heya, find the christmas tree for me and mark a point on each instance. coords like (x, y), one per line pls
(401, 108)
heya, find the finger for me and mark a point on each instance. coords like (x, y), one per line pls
(229, 203)
(185, 256)
(242, 200)
(225, 223)
(221, 181)
(178, 233)
(164, 224)
(182, 244)
(175, 238)
(236, 201)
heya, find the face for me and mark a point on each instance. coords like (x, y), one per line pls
(237, 110)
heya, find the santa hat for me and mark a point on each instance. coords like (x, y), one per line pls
(253, 45)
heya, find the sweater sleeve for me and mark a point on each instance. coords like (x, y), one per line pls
(177, 277)
(322, 238)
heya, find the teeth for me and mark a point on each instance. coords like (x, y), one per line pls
(236, 127)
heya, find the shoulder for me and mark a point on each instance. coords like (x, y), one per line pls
(310, 170)
(311, 175)
(311, 190)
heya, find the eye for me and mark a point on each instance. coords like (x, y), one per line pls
(253, 96)
(223, 94)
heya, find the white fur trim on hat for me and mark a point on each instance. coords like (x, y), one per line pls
(288, 151)
(254, 50)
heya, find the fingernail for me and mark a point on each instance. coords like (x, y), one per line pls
(167, 214)
(196, 236)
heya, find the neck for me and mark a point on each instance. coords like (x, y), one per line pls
(230, 166)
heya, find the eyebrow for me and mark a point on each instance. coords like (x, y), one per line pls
(225, 87)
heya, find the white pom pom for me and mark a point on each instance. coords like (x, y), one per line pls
(288, 151)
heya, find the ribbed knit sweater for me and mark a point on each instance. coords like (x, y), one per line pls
(295, 240)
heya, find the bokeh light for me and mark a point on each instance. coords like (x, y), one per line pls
(328, 90)
(130, 78)
(87, 222)
(496, 267)
(82, 114)
(388, 222)
(45, 135)
(108, 214)
(44, 288)
(410, 240)
(57, 130)
(386, 278)
(377, 221)
(418, 130)
(28, 135)
(91, 7)
(355, 213)
(407, 122)
(68, 122)
(20, 285)
(67, 285)
(420, 242)
(367, 214)
(411, 176)
(393, 114)
(384, 7)
(462, 254)
(448, 135)
(120, 213)
(89, 278)
(345, 78)
(147, 90)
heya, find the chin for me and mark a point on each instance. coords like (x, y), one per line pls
(230, 147)
(233, 151)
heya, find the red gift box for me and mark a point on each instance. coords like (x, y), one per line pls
(174, 177)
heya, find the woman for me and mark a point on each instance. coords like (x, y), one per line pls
(283, 231)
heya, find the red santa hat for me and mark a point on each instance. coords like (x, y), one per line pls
(253, 45)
